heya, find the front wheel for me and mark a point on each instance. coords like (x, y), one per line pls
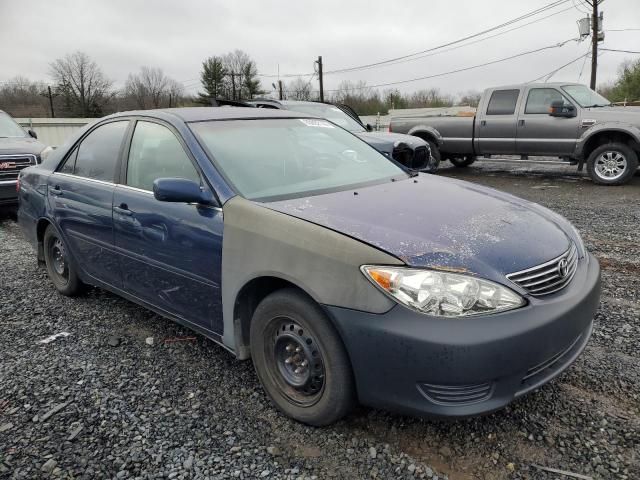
(300, 359)
(61, 271)
(462, 162)
(612, 164)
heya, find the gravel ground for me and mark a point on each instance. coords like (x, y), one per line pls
(108, 402)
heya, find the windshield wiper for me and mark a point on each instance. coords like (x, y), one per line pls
(597, 105)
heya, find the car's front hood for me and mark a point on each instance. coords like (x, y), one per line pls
(17, 146)
(614, 114)
(385, 142)
(441, 223)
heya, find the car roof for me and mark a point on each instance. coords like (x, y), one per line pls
(534, 85)
(200, 114)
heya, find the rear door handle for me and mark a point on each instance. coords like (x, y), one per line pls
(521, 123)
(56, 190)
(483, 123)
(123, 209)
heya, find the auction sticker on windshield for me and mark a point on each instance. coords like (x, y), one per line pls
(312, 122)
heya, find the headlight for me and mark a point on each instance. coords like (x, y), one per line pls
(442, 294)
(582, 251)
(45, 153)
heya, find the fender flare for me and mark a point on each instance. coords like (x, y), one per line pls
(618, 127)
(430, 131)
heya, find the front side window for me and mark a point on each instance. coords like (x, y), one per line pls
(503, 102)
(156, 153)
(9, 128)
(539, 100)
(98, 153)
(272, 159)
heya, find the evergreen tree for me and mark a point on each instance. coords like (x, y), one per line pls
(214, 80)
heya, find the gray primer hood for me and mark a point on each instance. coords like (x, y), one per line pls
(385, 142)
(20, 145)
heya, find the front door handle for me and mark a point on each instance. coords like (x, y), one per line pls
(521, 123)
(56, 190)
(483, 123)
(123, 209)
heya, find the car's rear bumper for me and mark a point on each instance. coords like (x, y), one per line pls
(8, 194)
(418, 364)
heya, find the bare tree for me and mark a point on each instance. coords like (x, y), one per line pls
(81, 83)
(151, 88)
(242, 73)
(299, 89)
(471, 98)
(21, 97)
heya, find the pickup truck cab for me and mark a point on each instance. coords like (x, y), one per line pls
(565, 120)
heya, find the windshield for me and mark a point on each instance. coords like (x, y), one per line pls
(274, 159)
(329, 112)
(9, 128)
(585, 96)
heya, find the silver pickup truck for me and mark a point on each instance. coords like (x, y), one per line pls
(565, 120)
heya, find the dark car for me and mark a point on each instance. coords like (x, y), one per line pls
(290, 241)
(18, 149)
(408, 150)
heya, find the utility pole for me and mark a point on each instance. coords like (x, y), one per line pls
(170, 100)
(594, 44)
(233, 85)
(280, 90)
(320, 78)
(50, 95)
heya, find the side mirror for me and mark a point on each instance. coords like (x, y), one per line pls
(180, 190)
(559, 109)
(369, 127)
(32, 133)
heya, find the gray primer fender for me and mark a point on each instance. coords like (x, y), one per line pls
(609, 127)
(260, 242)
(429, 130)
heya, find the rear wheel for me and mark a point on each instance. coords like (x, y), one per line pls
(300, 359)
(612, 164)
(462, 162)
(61, 271)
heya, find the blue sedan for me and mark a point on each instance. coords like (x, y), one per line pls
(290, 241)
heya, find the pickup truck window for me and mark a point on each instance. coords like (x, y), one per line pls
(503, 102)
(585, 96)
(539, 100)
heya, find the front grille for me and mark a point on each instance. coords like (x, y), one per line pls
(550, 276)
(420, 158)
(403, 154)
(456, 394)
(10, 165)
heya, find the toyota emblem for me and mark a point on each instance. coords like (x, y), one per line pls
(563, 267)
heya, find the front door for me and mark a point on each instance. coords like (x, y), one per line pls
(170, 253)
(80, 195)
(496, 126)
(541, 134)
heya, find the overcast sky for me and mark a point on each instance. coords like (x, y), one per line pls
(123, 35)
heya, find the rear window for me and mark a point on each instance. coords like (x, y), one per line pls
(503, 102)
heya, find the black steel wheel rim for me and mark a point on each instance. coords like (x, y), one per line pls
(57, 254)
(295, 361)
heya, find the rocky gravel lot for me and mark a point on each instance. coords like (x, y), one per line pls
(127, 394)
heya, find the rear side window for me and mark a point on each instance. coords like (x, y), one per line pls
(98, 153)
(503, 102)
(539, 100)
(157, 153)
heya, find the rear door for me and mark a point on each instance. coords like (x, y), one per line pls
(170, 252)
(541, 134)
(496, 124)
(80, 195)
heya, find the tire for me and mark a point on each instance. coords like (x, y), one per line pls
(61, 271)
(612, 164)
(288, 329)
(462, 162)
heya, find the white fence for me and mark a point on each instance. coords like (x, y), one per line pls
(54, 131)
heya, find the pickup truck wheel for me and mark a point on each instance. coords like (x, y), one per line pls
(462, 162)
(61, 271)
(612, 164)
(300, 359)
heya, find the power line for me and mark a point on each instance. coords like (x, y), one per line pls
(623, 30)
(616, 50)
(468, 37)
(556, 45)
